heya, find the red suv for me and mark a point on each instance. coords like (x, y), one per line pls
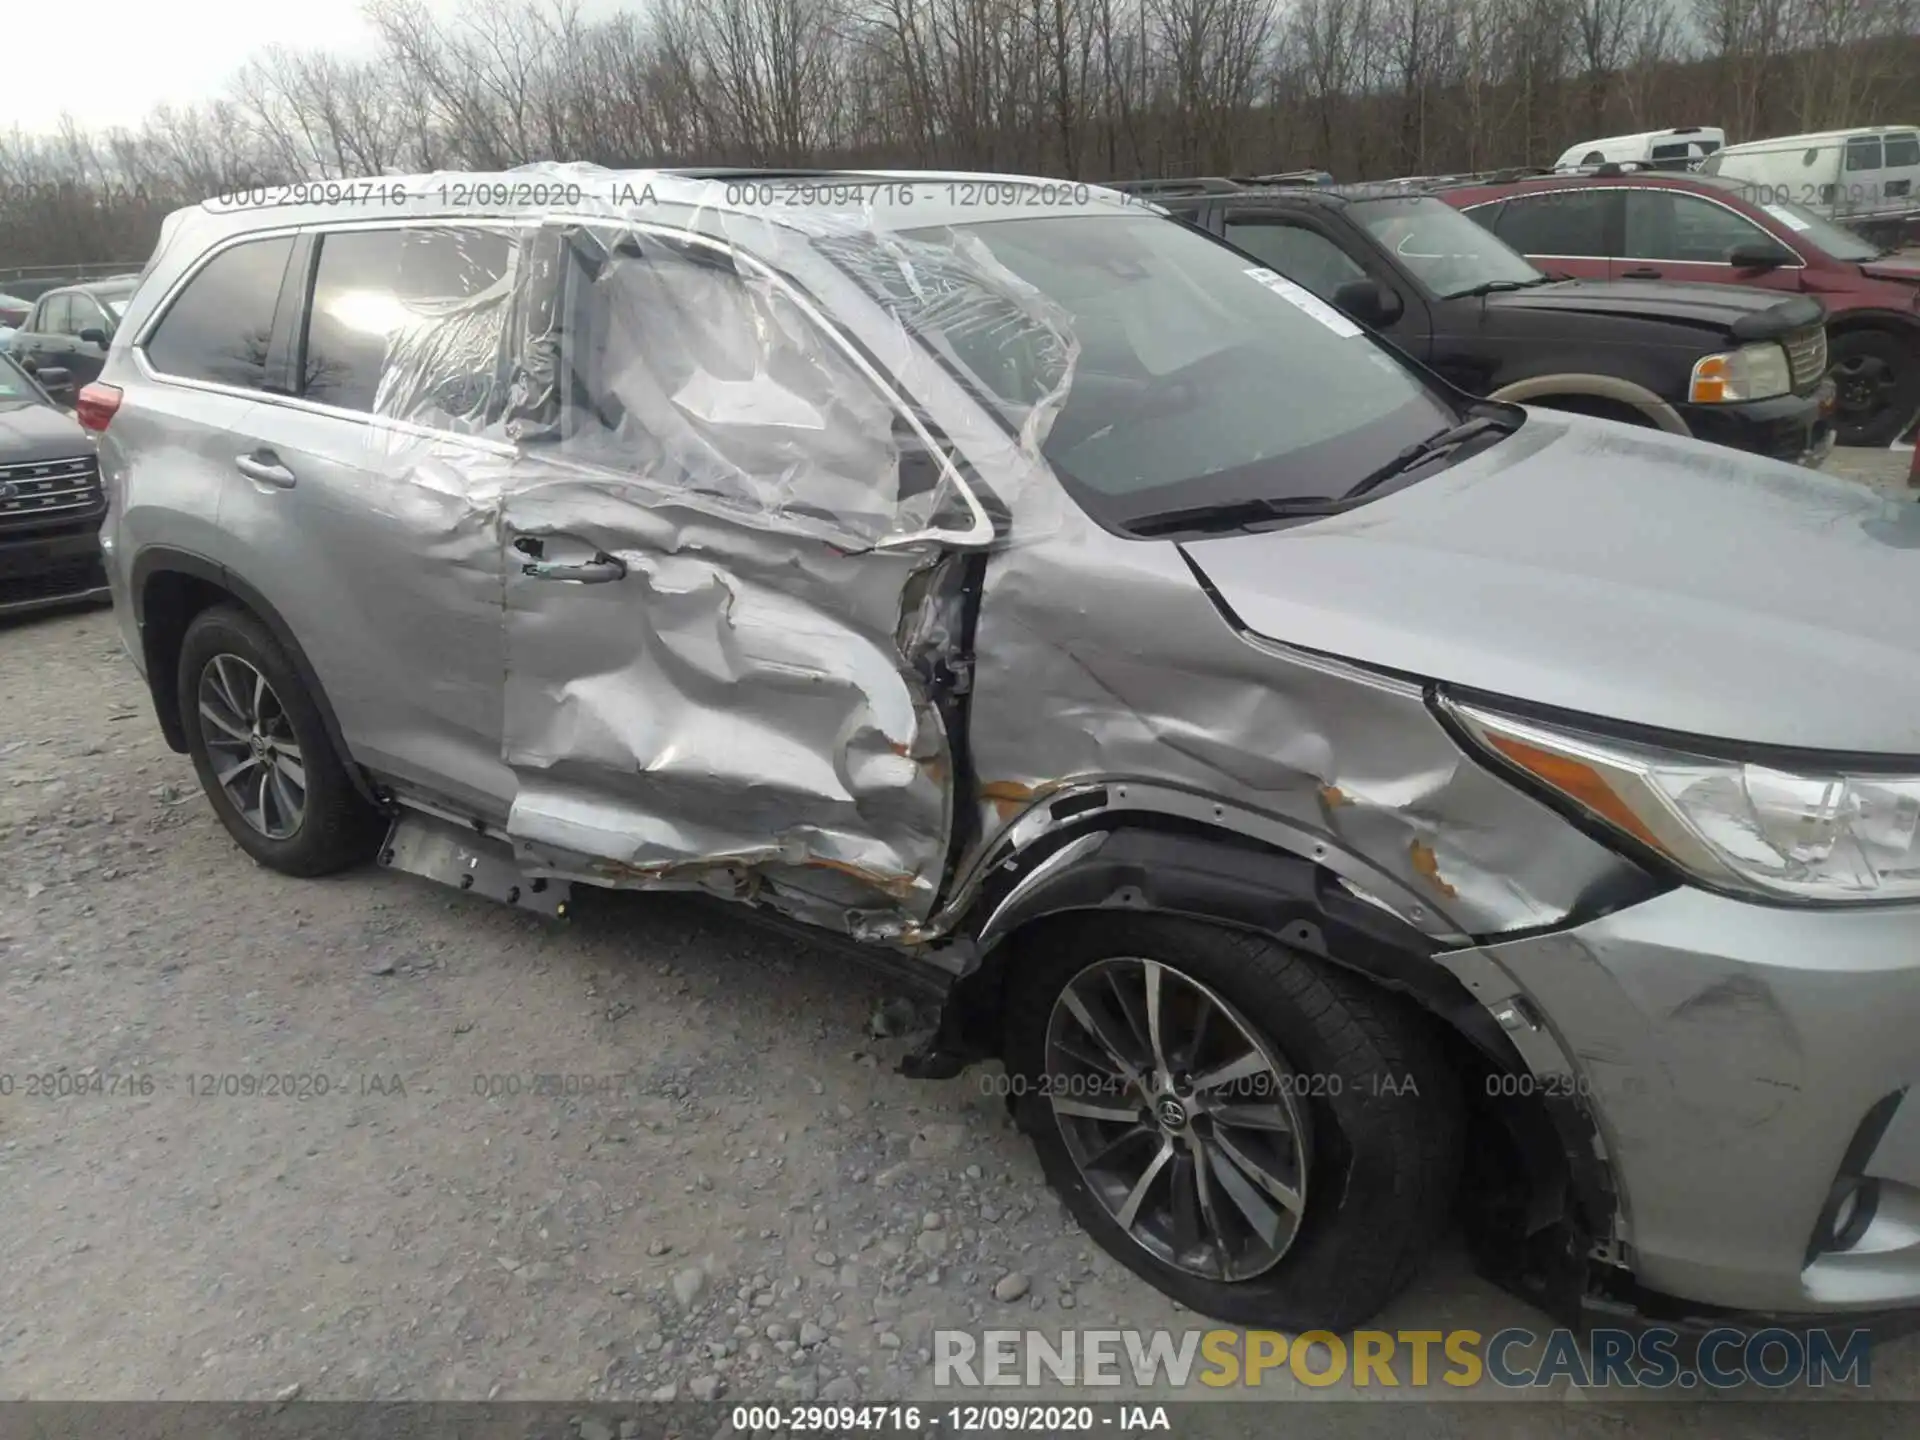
(1653, 226)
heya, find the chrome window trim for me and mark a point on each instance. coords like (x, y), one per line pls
(1801, 260)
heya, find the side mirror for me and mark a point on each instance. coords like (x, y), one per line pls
(53, 380)
(1369, 302)
(94, 335)
(1758, 255)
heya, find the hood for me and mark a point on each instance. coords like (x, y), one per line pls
(32, 431)
(1893, 267)
(1747, 314)
(1621, 573)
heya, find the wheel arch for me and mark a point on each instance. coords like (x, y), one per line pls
(1170, 864)
(1552, 1195)
(1543, 389)
(1868, 317)
(169, 588)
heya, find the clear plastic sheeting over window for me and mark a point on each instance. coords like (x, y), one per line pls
(409, 323)
(948, 289)
(710, 383)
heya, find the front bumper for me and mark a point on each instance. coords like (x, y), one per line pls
(42, 570)
(1740, 1062)
(1795, 428)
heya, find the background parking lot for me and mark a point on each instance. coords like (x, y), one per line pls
(371, 1138)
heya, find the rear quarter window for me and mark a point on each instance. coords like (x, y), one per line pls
(219, 328)
(1556, 222)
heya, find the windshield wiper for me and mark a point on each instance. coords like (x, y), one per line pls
(1234, 514)
(1245, 514)
(1431, 448)
(1487, 287)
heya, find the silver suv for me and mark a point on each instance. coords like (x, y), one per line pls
(1341, 804)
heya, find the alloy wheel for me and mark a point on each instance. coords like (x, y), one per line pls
(251, 746)
(1182, 1121)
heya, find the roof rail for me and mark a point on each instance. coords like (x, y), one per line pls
(1470, 177)
(747, 172)
(1187, 185)
(1287, 177)
(1606, 170)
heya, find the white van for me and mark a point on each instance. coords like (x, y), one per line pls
(1848, 175)
(1680, 149)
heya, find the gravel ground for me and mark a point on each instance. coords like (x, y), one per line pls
(731, 1194)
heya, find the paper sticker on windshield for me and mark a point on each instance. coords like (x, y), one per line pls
(1306, 300)
(1786, 217)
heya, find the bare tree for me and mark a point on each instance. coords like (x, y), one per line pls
(1074, 87)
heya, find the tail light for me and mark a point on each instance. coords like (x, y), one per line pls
(12, 319)
(1913, 474)
(95, 406)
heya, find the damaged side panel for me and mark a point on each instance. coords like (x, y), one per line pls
(708, 668)
(1143, 678)
(737, 701)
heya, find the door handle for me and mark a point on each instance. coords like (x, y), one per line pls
(1645, 272)
(265, 466)
(597, 571)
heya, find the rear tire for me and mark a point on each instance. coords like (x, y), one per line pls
(1375, 1117)
(262, 751)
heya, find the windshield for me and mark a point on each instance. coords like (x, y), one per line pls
(1446, 251)
(1838, 241)
(1199, 379)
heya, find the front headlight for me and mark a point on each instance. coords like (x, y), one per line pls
(1753, 372)
(1812, 836)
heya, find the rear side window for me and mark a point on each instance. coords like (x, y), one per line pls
(220, 327)
(401, 312)
(1863, 153)
(1561, 222)
(53, 316)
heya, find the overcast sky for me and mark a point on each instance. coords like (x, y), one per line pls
(139, 54)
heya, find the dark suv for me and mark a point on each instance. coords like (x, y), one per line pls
(1630, 225)
(50, 500)
(1717, 363)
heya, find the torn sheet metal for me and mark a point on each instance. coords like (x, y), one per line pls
(734, 699)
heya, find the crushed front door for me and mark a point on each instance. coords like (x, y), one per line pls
(710, 677)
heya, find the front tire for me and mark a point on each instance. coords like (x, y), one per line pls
(262, 752)
(1278, 1143)
(1877, 375)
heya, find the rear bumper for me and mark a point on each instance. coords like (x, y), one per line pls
(38, 571)
(1795, 428)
